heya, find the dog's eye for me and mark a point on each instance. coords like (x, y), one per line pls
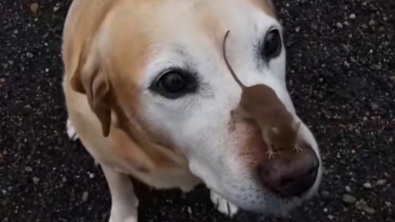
(174, 84)
(272, 45)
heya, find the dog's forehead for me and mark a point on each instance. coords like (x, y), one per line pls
(154, 29)
(209, 18)
(171, 20)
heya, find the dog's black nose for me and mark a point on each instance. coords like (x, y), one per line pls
(291, 174)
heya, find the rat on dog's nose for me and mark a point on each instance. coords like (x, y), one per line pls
(291, 174)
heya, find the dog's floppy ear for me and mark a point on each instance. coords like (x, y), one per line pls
(269, 3)
(90, 78)
(271, 6)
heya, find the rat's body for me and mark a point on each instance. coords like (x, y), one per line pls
(261, 104)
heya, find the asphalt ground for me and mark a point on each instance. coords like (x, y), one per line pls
(341, 74)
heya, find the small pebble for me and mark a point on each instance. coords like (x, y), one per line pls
(377, 66)
(34, 7)
(91, 175)
(325, 193)
(369, 210)
(349, 199)
(330, 217)
(388, 204)
(352, 16)
(339, 25)
(347, 188)
(56, 8)
(85, 196)
(28, 169)
(381, 29)
(374, 107)
(189, 210)
(346, 64)
(360, 204)
(381, 182)
(367, 185)
(36, 180)
(29, 55)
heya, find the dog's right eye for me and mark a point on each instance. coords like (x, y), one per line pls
(174, 84)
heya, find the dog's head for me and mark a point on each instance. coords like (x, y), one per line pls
(159, 65)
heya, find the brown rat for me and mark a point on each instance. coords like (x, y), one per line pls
(261, 104)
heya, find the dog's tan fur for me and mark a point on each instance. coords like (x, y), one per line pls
(89, 74)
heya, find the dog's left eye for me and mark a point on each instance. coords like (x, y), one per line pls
(174, 84)
(272, 45)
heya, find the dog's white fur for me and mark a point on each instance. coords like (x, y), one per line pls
(184, 34)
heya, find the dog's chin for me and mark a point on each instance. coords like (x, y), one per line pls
(274, 205)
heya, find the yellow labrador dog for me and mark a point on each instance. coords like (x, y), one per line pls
(149, 95)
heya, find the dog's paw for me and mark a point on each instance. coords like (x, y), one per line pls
(124, 210)
(222, 205)
(122, 214)
(130, 219)
(117, 219)
(71, 131)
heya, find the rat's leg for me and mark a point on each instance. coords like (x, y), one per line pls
(222, 205)
(124, 201)
(269, 145)
(297, 148)
(270, 152)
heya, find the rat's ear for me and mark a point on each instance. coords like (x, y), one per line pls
(275, 130)
(89, 78)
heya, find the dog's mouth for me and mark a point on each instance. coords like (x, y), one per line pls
(278, 186)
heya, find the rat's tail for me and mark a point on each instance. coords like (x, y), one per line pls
(227, 62)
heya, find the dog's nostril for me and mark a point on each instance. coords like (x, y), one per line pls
(299, 185)
(311, 173)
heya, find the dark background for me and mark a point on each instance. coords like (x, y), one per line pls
(341, 77)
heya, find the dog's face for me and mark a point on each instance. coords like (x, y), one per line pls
(163, 62)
